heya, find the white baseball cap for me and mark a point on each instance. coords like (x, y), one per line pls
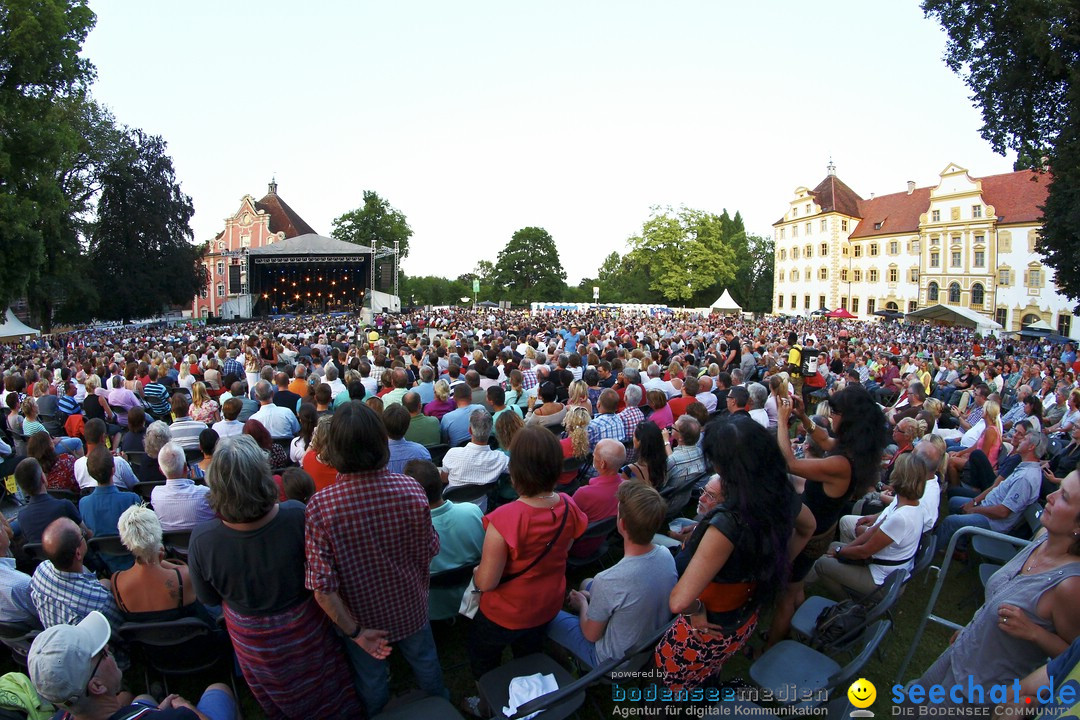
(60, 658)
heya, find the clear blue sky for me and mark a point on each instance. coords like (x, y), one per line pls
(479, 118)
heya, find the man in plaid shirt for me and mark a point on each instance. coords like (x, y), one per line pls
(232, 367)
(632, 416)
(369, 544)
(606, 424)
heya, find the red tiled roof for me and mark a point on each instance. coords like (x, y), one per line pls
(1016, 196)
(282, 217)
(891, 214)
(832, 195)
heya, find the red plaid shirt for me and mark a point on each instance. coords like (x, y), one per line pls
(369, 538)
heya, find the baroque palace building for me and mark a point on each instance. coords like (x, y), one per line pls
(966, 242)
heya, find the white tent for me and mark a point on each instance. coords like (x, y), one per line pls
(955, 315)
(14, 328)
(726, 303)
(1039, 325)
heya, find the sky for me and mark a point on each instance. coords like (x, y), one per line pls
(477, 119)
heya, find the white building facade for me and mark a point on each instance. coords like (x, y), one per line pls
(966, 242)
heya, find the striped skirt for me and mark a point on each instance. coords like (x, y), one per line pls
(294, 663)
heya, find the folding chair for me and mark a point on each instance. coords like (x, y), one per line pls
(178, 647)
(438, 452)
(428, 708)
(468, 493)
(65, 495)
(999, 552)
(805, 618)
(638, 656)
(144, 489)
(18, 637)
(599, 529)
(677, 496)
(494, 687)
(814, 675)
(176, 543)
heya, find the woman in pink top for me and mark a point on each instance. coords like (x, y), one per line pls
(442, 403)
(661, 413)
(989, 442)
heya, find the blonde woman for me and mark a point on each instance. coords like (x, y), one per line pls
(516, 395)
(252, 366)
(442, 403)
(576, 443)
(989, 442)
(203, 407)
(506, 427)
(579, 398)
(321, 472)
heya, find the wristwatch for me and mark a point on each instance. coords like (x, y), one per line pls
(355, 633)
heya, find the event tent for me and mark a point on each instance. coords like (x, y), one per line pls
(12, 327)
(841, 313)
(955, 315)
(726, 304)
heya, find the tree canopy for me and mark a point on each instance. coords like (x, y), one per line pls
(528, 269)
(1021, 60)
(376, 223)
(141, 256)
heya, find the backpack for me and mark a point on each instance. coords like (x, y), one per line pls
(809, 362)
(837, 622)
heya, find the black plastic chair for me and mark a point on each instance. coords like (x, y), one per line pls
(598, 529)
(18, 638)
(494, 687)
(468, 493)
(176, 543)
(144, 489)
(438, 452)
(677, 496)
(178, 647)
(65, 495)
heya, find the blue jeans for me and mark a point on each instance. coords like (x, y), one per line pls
(69, 445)
(373, 676)
(214, 704)
(565, 630)
(954, 521)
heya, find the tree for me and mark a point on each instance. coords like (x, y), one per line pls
(529, 269)
(683, 253)
(141, 256)
(40, 65)
(376, 223)
(753, 283)
(1021, 60)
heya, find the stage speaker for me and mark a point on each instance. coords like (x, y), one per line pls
(236, 316)
(234, 280)
(386, 310)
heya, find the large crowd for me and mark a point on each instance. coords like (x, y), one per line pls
(318, 492)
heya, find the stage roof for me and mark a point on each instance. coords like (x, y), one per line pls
(310, 244)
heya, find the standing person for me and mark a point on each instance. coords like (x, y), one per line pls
(250, 560)
(369, 545)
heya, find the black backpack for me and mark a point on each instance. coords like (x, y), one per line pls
(837, 623)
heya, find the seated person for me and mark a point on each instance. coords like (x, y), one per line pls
(63, 590)
(686, 460)
(461, 537)
(681, 528)
(72, 667)
(183, 429)
(323, 473)
(59, 469)
(890, 543)
(42, 508)
(476, 463)
(157, 436)
(627, 603)
(180, 504)
(94, 434)
(102, 508)
(154, 589)
(597, 498)
(16, 604)
(230, 412)
(296, 484)
(396, 419)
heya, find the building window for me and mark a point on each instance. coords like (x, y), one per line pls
(783, 254)
(809, 250)
(1064, 324)
(780, 301)
(807, 208)
(794, 212)
(781, 233)
(205, 291)
(956, 260)
(976, 211)
(932, 292)
(806, 302)
(935, 216)
(1034, 278)
(824, 249)
(873, 249)
(843, 225)
(824, 225)
(843, 302)
(858, 275)
(872, 275)
(871, 306)
(220, 267)
(935, 241)
(821, 301)
(823, 274)
(844, 251)
(980, 239)
(794, 276)
(781, 276)
(914, 275)
(1003, 277)
(894, 247)
(912, 306)
(858, 250)
(809, 229)
(794, 231)
(893, 273)
(795, 253)
(980, 258)
(978, 295)
(1001, 315)
(793, 304)
(935, 259)
(843, 275)
(916, 247)
(954, 292)
(245, 241)
(855, 305)
(221, 290)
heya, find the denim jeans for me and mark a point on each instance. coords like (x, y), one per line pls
(69, 445)
(565, 630)
(373, 676)
(954, 521)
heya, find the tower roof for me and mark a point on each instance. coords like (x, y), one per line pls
(832, 195)
(282, 217)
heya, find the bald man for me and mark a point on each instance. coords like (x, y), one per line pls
(62, 589)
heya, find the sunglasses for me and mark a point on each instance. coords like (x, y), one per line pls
(104, 654)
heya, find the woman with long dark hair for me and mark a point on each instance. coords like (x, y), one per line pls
(850, 469)
(735, 562)
(651, 465)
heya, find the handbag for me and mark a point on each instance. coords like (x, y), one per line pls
(470, 601)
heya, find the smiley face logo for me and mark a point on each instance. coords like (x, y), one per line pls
(862, 693)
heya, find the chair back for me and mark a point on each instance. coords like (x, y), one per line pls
(637, 656)
(572, 694)
(183, 646)
(192, 455)
(468, 493)
(18, 637)
(454, 577)
(108, 545)
(176, 542)
(438, 452)
(144, 489)
(927, 548)
(1033, 517)
(64, 495)
(871, 638)
(35, 552)
(677, 496)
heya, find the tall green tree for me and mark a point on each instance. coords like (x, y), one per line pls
(753, 284)
(683, 254)
(528, 269)
(1021, 60)
(40, 65)
(375, 223)
(141, 255)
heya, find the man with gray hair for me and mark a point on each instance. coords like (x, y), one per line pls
(330, 378)
(476, 463)
(758, 395)
(656, 382)
(180, 504)
(280, 422)
(685, 458)
(632, 416)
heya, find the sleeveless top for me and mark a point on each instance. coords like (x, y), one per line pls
(991, 453)
(985, 652)
(827, 510)
(180, 611)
